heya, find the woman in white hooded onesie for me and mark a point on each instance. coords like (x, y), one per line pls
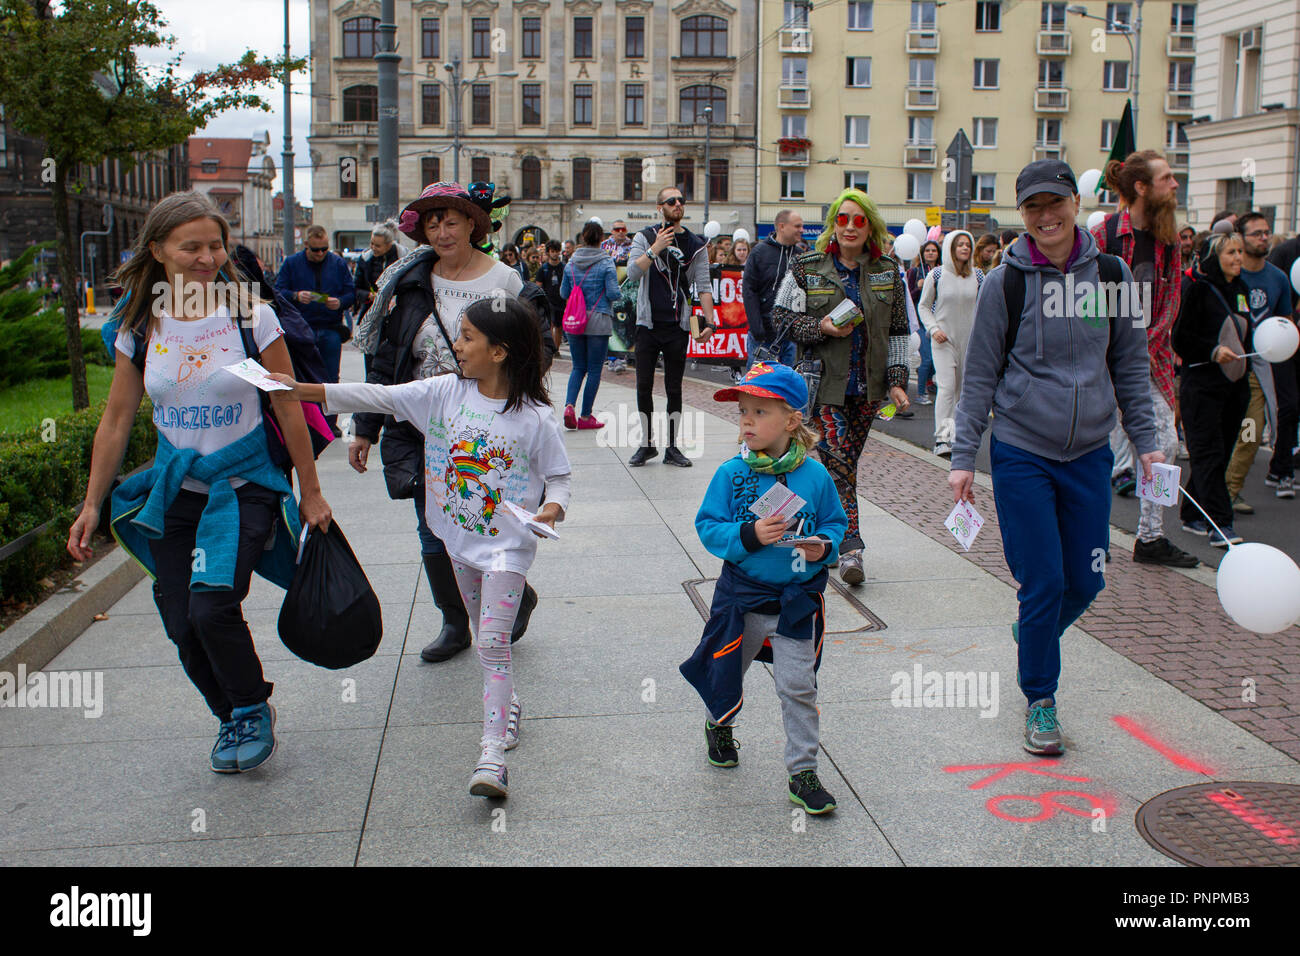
(947, 308)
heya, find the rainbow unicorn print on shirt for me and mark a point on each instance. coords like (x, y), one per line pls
(475, 475)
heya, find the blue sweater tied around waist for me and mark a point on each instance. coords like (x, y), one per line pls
(140, 505)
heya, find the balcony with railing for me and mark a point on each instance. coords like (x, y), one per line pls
(1053, 42)
(1049, 149)
(1181, 44)
(717, 131)
(794, 96)
(1178, 99)
(923, 41)
(1178, 157)
(920, 153)
(795, 39)
(1052, 99)
(921, 97)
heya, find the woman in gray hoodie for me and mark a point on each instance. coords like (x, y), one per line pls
(591, 269)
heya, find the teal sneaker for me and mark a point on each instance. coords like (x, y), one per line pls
(255, 732)
(224, 750)
(807, 791)
(1042, 729)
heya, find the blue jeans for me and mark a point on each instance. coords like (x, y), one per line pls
(429, 542)
(588, 353)
(926, 371)
(788, 349)
(1055, 520)
(330, 345)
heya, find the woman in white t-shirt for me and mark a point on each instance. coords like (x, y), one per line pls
(214, 502)
(421, 304)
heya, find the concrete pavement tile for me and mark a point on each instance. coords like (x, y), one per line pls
(583, 576)
(287, 849)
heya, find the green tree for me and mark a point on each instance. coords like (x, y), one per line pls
(73, 79)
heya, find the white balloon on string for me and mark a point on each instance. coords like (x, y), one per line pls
(1259, 587)
(1276, 339)
(906, 247)
(916, 229)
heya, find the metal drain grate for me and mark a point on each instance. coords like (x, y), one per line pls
(873, 623)
(1225, 824)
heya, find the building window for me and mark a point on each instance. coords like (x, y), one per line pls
(1119, 17)
(1051, 74)
(210, 166)
(532, 45)
(480, 170)
(634, 104)
(431, 38)
(1052, 17)
(1108, 130)
(719, 179)
(920, 72)
(1175, 135)
(361, 104)
(1049, 132)
(857, 131)
(1115, 76)
(1180, 75)
(634, 38)
(704, 36)
(794, 71)
(988, 17)
(1182, 18)
(986, 132)
(430, 170)
(696, 98)
(348, 177)
(857, 179)
(792, 184)
(860, 15)
(582, 178)
(582, 39)
(632, 180)
(918, 187)
(684, 176)
(531, 178)
(794, 126)
(480, 113)
(924, 14)
(986, 74)
(582, 104)
(857, 71)
(360, 37)
(530, 105)
(920, 130)
(480, 37)
(983, 187)
(374, 178)
(430, 104)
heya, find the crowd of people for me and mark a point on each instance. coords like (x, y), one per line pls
(458, 336)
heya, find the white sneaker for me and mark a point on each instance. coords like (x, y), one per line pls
(512, 724)
(943, 449)
(489, 778)
(1182, 450)
(925, 399)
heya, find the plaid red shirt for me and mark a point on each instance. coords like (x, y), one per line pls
(1167, 286)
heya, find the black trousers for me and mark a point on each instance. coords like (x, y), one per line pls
(670, 340)
(208, 627)
(1212, 410)
(1285, 375)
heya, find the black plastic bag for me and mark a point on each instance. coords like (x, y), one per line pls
(330, 616)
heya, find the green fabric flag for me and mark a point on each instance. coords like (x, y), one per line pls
(1125, 142)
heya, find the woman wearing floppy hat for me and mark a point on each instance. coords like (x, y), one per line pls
(408, 329)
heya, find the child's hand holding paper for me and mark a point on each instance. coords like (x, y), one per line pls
(253, 373)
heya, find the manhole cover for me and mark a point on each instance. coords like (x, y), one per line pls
(1225, 824)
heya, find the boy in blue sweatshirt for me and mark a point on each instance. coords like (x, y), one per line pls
(768, 603)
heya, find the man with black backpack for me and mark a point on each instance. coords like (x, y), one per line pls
(1050, 357)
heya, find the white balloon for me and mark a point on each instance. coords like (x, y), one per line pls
(1096, 219)
(1259, 588)
(914, 344)
(1088, 182)
(906, 247)
(1295, 275)
(597, 221)
(916, 229)
(740, 235)
(712, 228)
(1276, 339)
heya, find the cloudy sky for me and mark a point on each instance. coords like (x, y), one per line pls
(211, 33)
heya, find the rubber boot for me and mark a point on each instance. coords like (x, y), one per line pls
(525, 612)
(455, 634)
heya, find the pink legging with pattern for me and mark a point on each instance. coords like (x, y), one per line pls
(492, 601)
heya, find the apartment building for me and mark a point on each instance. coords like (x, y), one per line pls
(872, 94)
(1245, 132)
(575, 109)
(237, 175)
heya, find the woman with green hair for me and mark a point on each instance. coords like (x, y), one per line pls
(844, 303)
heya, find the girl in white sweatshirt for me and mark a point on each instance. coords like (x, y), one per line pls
(948, 311)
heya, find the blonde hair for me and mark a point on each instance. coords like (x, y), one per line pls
(802, 433)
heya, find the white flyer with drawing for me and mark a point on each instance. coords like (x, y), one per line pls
(1162, 486)
(252, 372)
(529, 520)
(778, 501)
(964, 522)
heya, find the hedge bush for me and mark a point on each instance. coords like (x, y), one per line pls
(41, 480)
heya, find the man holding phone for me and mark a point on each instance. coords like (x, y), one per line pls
(669, 259)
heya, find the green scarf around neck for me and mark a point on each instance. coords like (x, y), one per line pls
(766, 465)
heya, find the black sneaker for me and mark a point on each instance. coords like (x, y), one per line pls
(642, 455)
(1124, 483)
(674, 456)
(807, 791)
(722, 746)
(1162, 551)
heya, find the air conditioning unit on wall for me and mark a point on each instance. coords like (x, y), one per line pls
(1251, 39)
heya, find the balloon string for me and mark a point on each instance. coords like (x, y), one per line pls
(1207, 517)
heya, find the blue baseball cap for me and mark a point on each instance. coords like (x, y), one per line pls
(769, 380)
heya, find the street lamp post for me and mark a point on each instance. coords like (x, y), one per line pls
(708, 126)
(454, 87)
(387, 58)
(1130, 32)
(286, 157)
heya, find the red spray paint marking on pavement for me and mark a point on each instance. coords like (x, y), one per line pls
(1049, 807)
(1244, 810)
(1006, 769)
(1173, 756)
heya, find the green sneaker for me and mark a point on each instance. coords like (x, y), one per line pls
(1042, 729)
(807, 791)
(722, 745)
